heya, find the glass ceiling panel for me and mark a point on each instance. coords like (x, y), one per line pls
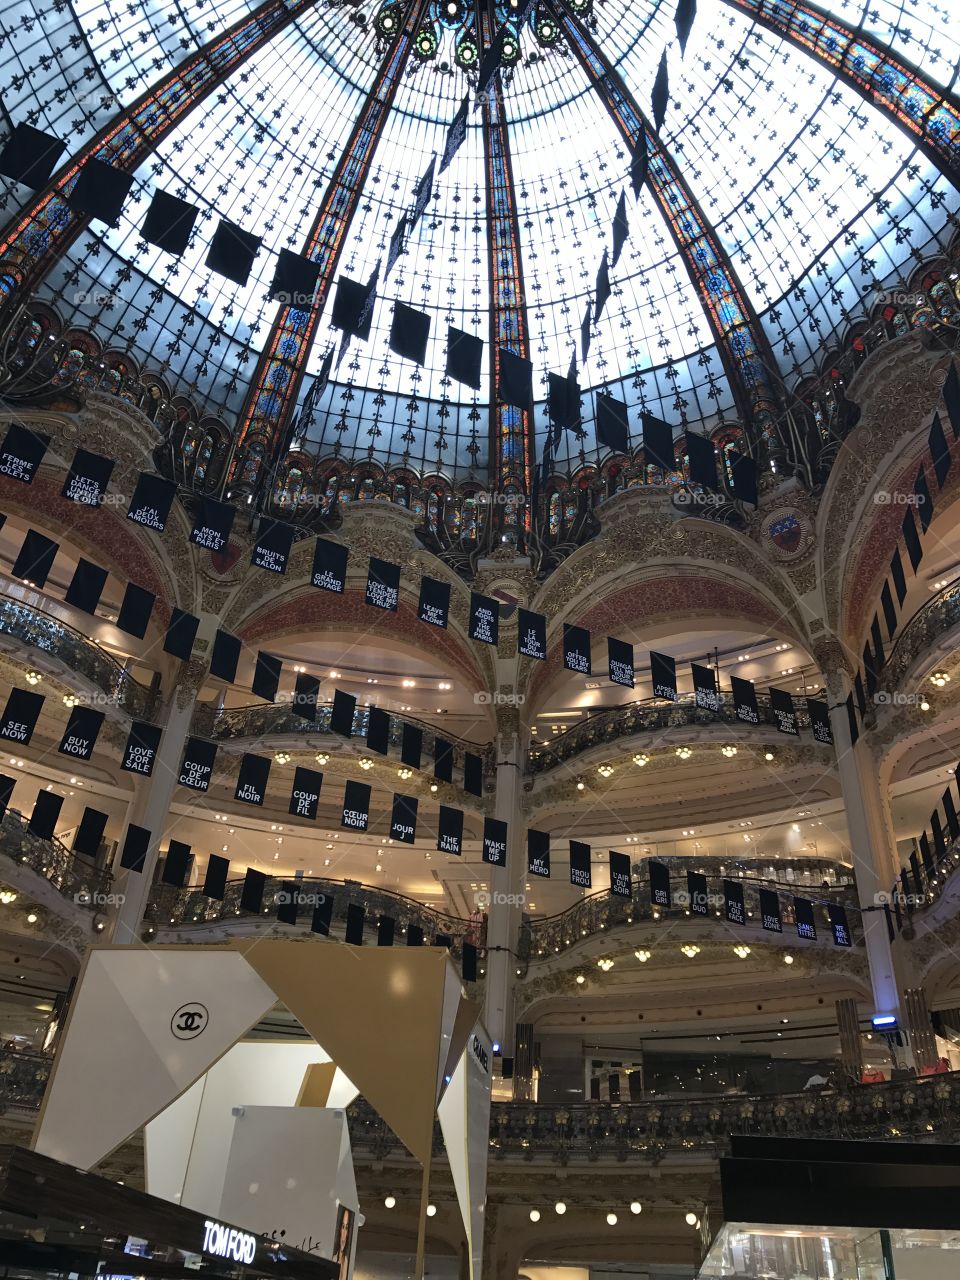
(923, 32)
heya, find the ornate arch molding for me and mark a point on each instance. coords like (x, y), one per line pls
(906, 730)
(855, 538)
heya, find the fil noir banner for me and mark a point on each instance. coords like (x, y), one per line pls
(538, 853)
(81, 733)
(151, 502)
(663, 674)
(659, 884)
(576, 649)
(484, 618)
(450, 830)
(745, 700)
(580, 872)
(329, 571)
(770, 916)
(196, 767)
(403, 820)
(620, 884)
(356, 806)
(434, 607)
(620, 662)
(140, 753)
(305, 795)
(252, 779)
(495, 842)
(532, 634)
(20, 715)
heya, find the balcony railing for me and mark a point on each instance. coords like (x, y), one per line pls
(78, 653)
(920, 635)
(644, 717)
(23, 1079)
(74, 877)
(601, 913)
(926, 1108)
(178, 909)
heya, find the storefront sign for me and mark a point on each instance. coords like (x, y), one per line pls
(226, 1242)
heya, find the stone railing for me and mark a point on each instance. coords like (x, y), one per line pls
(926, 1108)
(601, 913)
(646, 717)
(173, 910)
(23, 1079)
(74, 877)
(79, 654)
(920, 635)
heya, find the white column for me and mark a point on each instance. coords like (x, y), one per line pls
(506, 896)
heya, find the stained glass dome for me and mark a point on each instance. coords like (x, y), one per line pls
(813, 199)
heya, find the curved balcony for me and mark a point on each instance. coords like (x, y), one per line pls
(78, 654)
(920, 636)
(74, 878)
(172, 910)
(601, 913)
(645, 717)
(584, 1133)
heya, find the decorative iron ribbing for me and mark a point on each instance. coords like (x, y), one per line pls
(40, 234)
(746, 354)
(276, 383)
(892, 86)
(511, 429)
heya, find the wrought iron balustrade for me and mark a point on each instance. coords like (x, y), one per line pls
(81, 655)
(920, 635)
(644, 717)
(23, 1078)
(74, 877)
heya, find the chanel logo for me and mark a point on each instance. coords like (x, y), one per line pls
(189, 1021)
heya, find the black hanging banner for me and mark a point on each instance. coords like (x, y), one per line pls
(135, 610)
(356, 806)
(659, 884)
(950, 813)
(35, 559)
(252, 779)
(705, 687)
(580, 872)
(576, 649)
(196, 767)
(770, 916)
(378, 731)
(266, 676)
(784, 712)
(442, 760)
(215, 877)
(225, 656)
(90, 832)
(620, 662)
(87, 479)
(87, 586)
(744, 474)
(889, 610)
(612, 423)
(151, 502)
(658, 447)
(22, 452)
(305, 694)
(698, 896)
(305, 794)
(538, 853)
(287, 902)
(484, 618)
(735, 911)
(898, 575)
(621, 228)
(176, 864)
(663, 675)
(213, 524)
(411, 745)
(329, 571)
(403, 820)
(181, 634)
(383, 585)
(140, 753)
(803, 914)
(495, 842)
(839, 925)
(532, 634)
(251, 895)
(344, 708)
(472, 774)
(745, 700)
(820, 721)
(450, 830)
(46, 811)
(271, 551)
(135, 845)
(620, 883)
(434, 608)
(80, 736)
(20, 715)
(7, 785)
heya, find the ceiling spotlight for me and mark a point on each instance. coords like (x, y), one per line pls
(32, 918)
(389, 1202)
(605, 964)
(434, 787)
(534, 1215)
(684, 753)
(690, 950)
(33, 677)
(322, 757)
(70, 700)
(636, 1206)
(408, 684)
(690, 1219)
(7, 896)
(605, 770)
(431, 1210)
(924, 705)
(741, 951)
(768, 754)
(640, 759)
(611, 1219)
(580, 978)
(282, 757)
(365, 762)
(580, 784)
(788, 959)
(560, 1207)
(404, 773)
(728, 751)
(939, 678)
(642, 956)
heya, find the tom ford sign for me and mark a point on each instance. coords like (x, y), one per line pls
(226, 1242)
